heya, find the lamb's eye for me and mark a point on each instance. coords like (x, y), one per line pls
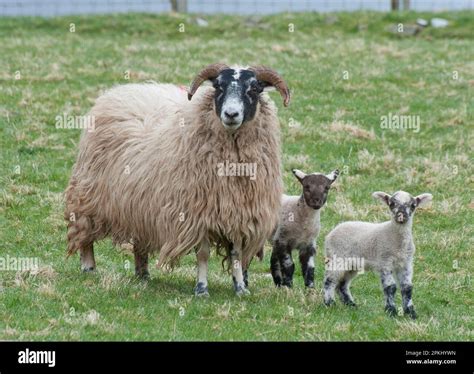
(413, 205)
(391, 204)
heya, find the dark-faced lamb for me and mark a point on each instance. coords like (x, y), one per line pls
(298, 227)
(386, 248)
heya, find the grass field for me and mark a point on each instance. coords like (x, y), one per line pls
(346, 72)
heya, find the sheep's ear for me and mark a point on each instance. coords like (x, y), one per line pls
(299, 174)
(385, 197)
(423, 199)
(332, 176)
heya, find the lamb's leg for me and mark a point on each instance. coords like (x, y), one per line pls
(307, 255)
(141, 263)
(275, 269)
(389, 289)
(404, 278)
(202, 254)
(283, 253)
(331, 279)
(87, 257)
(344, 288)
(237, 273)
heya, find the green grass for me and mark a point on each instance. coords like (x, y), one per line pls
(332, 122)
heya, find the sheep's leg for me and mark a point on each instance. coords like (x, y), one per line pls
(237, 273)
(307, 264)
(141, 263)
(246, 277)
(202, 255)
(330, 283)
(389, 289)
(87, 257)
(404, 278)
(344, 288)
(275, 269)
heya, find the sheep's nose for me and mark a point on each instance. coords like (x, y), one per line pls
(231, 115)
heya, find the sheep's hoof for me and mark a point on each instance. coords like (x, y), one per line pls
(144, 276)
(88, 269)
(391, 311)
(310, 285)
(242, 292)
(201, 290)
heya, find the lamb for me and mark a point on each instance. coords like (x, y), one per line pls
(151, 173)
(298, 227)
(386, 248)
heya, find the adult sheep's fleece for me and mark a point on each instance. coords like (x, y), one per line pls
(148, 172)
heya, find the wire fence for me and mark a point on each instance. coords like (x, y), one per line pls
(49, 8)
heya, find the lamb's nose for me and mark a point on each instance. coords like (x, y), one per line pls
(231, 115)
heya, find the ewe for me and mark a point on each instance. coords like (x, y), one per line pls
(149, 171)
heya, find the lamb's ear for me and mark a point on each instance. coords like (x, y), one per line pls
(332, 176)
(385, 197)
(423, 199)
(299, 174)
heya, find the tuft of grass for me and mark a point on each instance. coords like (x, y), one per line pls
(345, 70)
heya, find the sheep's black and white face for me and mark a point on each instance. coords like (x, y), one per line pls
(316, 187)
(236, 96)
(402, 205)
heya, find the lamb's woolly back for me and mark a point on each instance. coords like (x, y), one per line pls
(149, 172)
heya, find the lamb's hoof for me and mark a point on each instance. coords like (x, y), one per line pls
(329, 303)
(350, 304)
(201, 290)
(391, 311)
(310, 285)
(88, 269)
(411, 313)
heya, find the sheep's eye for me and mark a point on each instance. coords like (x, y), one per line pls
(254, 89)
(413, 205)
(391, 204)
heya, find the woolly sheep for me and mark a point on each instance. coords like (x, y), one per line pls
(152, 171)
(386, 248)
(298, 227)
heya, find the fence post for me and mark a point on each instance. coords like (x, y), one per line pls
(395, 4)
(180, 6)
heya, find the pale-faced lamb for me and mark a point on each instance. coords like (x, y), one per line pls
(299, 227)
(387, 248)
(151, 173)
